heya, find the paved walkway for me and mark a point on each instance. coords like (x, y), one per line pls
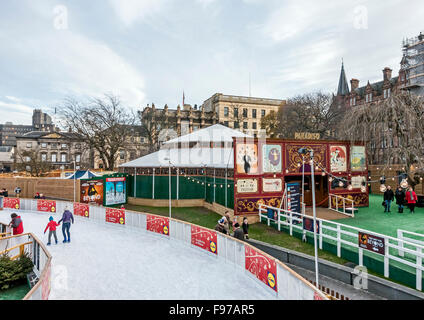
(327, 214)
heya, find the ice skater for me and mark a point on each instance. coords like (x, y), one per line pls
(52, 229)
(66, 226)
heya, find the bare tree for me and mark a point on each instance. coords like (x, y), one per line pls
(32, 162)
(311, 112)
(103, 124)
(394, 126)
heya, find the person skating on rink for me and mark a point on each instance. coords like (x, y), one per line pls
(52, 229)
(66, 226)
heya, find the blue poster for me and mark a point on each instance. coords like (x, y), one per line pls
(115, 192)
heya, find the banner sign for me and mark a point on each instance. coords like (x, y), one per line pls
(308, 224)
(247, 186)
(92, 191)
(271, 158)
(272, 185)
(45, 285)
(12, 203)
(338, 159)
(81, 209)
(116, 191)
(358, 158)
(204, 238)
(372, 243)
(293, 197)
(158, 224)
(115, 215)
(264, 268)
(46, 205)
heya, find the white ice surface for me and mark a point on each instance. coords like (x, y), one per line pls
(105, 261)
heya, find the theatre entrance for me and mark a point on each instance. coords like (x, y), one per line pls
(321, 188)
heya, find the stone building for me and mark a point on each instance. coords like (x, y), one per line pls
(236, 112)
(57, 150)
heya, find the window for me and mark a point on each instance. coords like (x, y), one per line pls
(245, 113)
(254, 113)
(353, 101)
(43, 157)
(226, 123)
(386, 93)
(254, 125)
(244, 125)
(263, 113)
(29, 145)
(122, 154)
(44, 145)
(78, 158)
(54, 157)
(78, 146)
(64, 146)
(368, 97)
(142, 140)
(63, 157)
(236, 113)
(236, 125)
(27, 159)
(54, 145)
(226, 111)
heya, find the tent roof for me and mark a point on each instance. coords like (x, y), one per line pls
(80, 174)
(215, 133)
(186, 158)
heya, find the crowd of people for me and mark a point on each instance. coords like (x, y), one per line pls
(238, 231)
(403, 198)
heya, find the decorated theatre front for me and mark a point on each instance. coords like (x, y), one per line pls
(263, 168)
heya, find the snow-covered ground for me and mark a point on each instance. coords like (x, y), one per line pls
(105, 261)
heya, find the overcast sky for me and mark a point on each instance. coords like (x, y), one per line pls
(148, 51)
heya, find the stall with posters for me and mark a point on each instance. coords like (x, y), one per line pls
(265, 169)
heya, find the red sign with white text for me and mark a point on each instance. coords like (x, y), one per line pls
(46, 205)
(204, 238)
(81, 209)
(115, 215)
(264, 268)
(158, 224)
(12, 203)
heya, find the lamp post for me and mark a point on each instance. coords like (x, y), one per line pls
(74, 181)
(304, 151)
(169, 174)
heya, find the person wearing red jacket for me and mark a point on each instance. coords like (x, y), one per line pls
(411, 198)
(52, 229)
(16, 224)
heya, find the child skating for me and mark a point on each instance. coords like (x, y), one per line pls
(52, 229)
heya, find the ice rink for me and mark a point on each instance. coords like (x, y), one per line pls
(106, 261)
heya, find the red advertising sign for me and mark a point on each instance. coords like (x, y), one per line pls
(45, 285)
(264, 268)
(46, 205)
(204, 238)
(81, 209)
(92, 191)
(158, 224)
(115, 215)
(12, 203)
(372, 243)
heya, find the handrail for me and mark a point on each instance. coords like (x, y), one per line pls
(15, 247)
(390, 242)
(330, 206)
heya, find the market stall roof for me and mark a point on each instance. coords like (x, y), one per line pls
(215, 133)
(186, 158)
(81, 174)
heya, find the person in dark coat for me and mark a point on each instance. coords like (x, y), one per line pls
(245, 226)
(238, 232)
(220, 227)
(389, 196)
(400, 198)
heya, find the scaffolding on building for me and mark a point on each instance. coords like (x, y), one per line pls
(413, 63)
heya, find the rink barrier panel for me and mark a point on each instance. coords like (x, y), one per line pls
(290, 285)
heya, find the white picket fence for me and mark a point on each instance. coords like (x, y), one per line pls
(348, 237)
(346, 204)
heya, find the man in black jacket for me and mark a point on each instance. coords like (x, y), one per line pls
(238, 232)
(389, 196)
(400, 198)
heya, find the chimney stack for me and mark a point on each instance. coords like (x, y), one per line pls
(354, 84)
(387, 73)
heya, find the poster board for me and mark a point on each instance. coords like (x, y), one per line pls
(91, 191)
(115, 191)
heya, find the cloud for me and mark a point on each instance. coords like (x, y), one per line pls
(130, 11)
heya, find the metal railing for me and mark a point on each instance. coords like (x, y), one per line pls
(348, 237)
(340, 204)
